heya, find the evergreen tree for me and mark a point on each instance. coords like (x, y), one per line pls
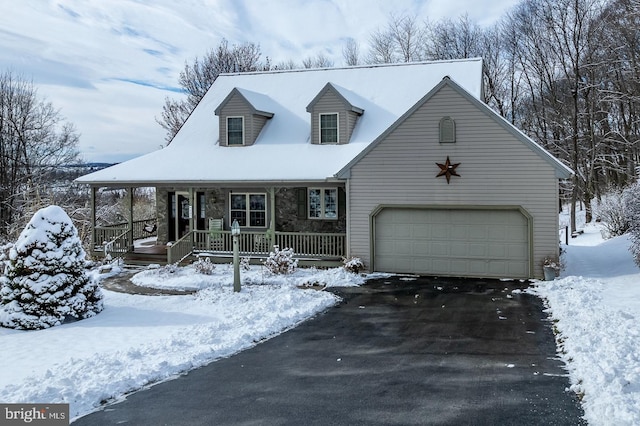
(45, 278)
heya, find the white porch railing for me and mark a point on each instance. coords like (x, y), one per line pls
(304, 244)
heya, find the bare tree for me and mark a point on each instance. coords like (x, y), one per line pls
(554, 43)
(382, 48)
(34, 140)
(401, 41)
(408, 37)
(197, 78)
(450, 39)
(351, 52)
(319, 61)
(286, 65)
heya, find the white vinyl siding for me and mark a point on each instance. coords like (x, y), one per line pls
(495, 169)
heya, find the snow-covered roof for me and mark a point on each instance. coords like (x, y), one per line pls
(283, 151)
(260, 103)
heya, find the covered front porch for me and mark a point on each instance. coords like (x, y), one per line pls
(194, 222)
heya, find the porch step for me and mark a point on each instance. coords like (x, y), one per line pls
(145, 258)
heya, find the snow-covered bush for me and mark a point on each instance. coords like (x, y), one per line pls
(169, 268)
(45, 279)
(281, 261)
(204, 266)
(353, 264)
(4, 257)
(245, 263)
(631, 198)
(611, 211)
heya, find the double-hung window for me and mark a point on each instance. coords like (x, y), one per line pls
(235, 130)
(323, 203)
(249, 209)
(329, 128)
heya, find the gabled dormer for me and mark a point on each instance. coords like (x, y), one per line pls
(333, 115)
(242, 115)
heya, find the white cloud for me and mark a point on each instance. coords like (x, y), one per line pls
(81, 53)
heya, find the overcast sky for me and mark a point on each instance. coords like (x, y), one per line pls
(109, 64)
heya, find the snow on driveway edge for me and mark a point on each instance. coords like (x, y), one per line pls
(599, 346)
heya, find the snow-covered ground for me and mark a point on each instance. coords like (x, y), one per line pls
(140, 340)
(595, 306)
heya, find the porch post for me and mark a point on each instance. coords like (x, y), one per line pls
(272, 223)
(130, 218)
(192, 208)
(92, 202)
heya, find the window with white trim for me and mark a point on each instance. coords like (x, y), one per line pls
(235, 130)
(329, 128)
(323, 203)
(248, 209)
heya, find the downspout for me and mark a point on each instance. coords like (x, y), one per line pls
(347, 189)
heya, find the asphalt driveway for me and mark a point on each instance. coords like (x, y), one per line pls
(396, 351)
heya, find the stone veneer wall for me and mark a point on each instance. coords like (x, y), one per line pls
(287, 219)
(162, 212)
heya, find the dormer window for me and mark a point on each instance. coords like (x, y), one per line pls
(242, 116)
(333, 115)
(329, 128)
(235, 130)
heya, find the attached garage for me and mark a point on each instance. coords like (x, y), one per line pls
(475, 242)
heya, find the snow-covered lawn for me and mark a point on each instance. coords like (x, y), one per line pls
(595, 305)
(138, 340)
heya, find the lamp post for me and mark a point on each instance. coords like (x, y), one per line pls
(235, 231)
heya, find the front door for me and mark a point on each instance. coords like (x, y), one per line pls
(179, 215)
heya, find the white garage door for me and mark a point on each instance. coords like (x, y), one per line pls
(452, 242)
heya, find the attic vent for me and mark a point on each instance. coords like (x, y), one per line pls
(447, 130)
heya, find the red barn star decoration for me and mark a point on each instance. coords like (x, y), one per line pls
(447, 169)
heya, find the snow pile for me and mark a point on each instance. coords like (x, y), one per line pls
(45, 279)
(187, 278)
(595, 308)
(141, 340)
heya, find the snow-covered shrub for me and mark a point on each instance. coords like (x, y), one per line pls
(353, 264)
(4, 257)
(45, 279)
(169, 268)
(245, 263)
(281, 261)
(631, 199)
(204, 266)
(611, 211)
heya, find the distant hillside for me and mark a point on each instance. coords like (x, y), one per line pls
(69, 172)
